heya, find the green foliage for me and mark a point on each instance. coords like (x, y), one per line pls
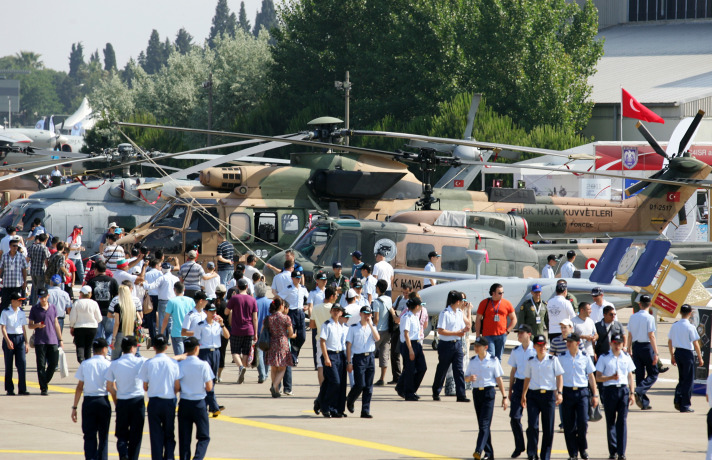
(76, 60)
(184, 41)
(109, 58)
(266, 18)
(155, 54)
(243, 22)
(224, 22)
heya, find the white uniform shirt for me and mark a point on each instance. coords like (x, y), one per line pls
(519, 357)
(208, 334)
(354, 310)
(316, 297)
(160, 372)
(13, 320)
(124, 371)
(453, 321)
(151, 275)
(585, 327)
(559, 309)
(597, 310)
(194, 373)
(91, 371)
(361, 339)
(383, 271)
(548, 272)
(682, 334)
(576, 369)
(294, 296)
(409, 322)
(608, 365)
(334, 334)
(429, 267)
(640, 324)
(281, 281)
(486, 370)
(567, 270)
(543, 373)
(369, 287)
(192, 318)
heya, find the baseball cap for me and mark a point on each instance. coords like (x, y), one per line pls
(524, 328)
(100, 342)
(346, 314)
(211, 307)
(481, 341)
(596, 291)
(85, 290)
(56, 279)
(78, 226)
(122, 263)
(351, 294)
(192, 254)
(321, 276)
(211, 264)
(42, 293)
(561, 286)
(221, 288)
(551, 257)
(200, 295)
(566, 322)
(536, 288)
(645, 298)
(573, 338)
(433, 254)
(113, 224)
(117, 231)
(356, 283)
(539, 339)
(296, 274)
(366, 309)
(336, 265)
(357, 254)
(16, 296)
(570, 254)
(338, 307)
(242, 283)
(165, 265)
(617, 338)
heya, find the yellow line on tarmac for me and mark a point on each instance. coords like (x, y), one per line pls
(332, 438)
(55, 388)
(60, 452)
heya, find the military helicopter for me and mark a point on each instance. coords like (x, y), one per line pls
(264, 208)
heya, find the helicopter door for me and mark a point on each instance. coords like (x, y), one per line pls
(201, 233)
(339, 250)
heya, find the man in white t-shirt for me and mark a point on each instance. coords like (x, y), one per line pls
(585, 328)
(383, 270)
(430, 267)
(568, 268)
(548, 270)
(598, 304)
(559, 309)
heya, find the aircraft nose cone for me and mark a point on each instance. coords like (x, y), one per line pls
(465, 152)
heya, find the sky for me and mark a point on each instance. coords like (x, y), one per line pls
(50, 27)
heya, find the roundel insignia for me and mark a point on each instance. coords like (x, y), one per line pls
(387, 247)
(591, 263)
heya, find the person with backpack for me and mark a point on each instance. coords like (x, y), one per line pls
(491, 320)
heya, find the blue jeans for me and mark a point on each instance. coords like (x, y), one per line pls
(225, 275)
(178, 348)
(105, 329)
(496, 345)
(79, 278)
(261, 368)
(159, 317)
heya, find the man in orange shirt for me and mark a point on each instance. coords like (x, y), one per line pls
(491, 320)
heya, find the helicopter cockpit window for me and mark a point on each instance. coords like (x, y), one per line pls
(30, 215)
(312, 243)
(204, 220)
(9, 216)
(475, 221)
(266, 226)
(161, 212)
(174, 217)
(290, 223)
(240, 228)
(496, 223)
(416, 254)
(341, 248)
(454, 259)
(169, 241)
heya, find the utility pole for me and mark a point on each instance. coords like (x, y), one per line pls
(346, 87)
(9, 111)
(209, 86)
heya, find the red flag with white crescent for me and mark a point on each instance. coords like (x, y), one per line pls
(634, 109)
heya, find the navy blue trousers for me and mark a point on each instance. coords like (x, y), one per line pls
(686, 369)
(484, 408)
(193, 413)
(450, 353)
(332, 395)
(515, 415)
(96, 417)
(364, 371)
(17, 354)
(544, 404)
(130, 415)
(643, 356)
(615, 405)
(574, 415)
(413, 371)
(213, 360)
(161, 427)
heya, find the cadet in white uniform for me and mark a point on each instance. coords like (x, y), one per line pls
(518, 362)
(414, 365)
(452, 327)
(208, 332)
(14, 343)
(578, 380)
(644, 350)
(332, 394)
(542, 391)
(430, 267)
(196, 379)
(548, 270)
(568, 268)
(683, 337)
(122, 375)
(615, 370)
(484, 372)
(361, 341)
(96, 410)
(160, 380)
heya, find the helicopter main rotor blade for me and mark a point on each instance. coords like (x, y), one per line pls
(651, 140)
(690, 132)
(471, 116)
(477, 144)
(40, 168)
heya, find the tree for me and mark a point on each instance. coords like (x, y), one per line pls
(184, 41)
(243, 22)
(155, 54)
(28, 60)
(167, 50)
(109, 58)
(224, 22)
(266, 17)
(94, 57)
(76, 59)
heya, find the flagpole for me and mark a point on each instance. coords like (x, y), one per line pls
(623, 195)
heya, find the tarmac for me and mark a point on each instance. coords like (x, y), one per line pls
(255, 425)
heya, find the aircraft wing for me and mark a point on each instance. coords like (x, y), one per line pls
(446, 276)
(39, 168)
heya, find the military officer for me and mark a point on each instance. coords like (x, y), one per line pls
(196, 379)
(452, 326)
(578, 375)
(542, 392)
(414, 365)
(615, 370)
(361, 341)
(534, 312)
(208, 332)
(644, 351)
(96, 409)
(518, 362)
(683, 337)
(484, 371)
(160, 380)
(332, 394)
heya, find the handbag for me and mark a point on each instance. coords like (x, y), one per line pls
(32, 340)
(63, 368)
(263, 339)
(147, 304)
(594, 413)
(138, 330)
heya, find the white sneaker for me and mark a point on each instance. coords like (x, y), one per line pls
(241, 378)
(288, 393)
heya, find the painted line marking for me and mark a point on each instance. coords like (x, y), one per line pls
(61, 452)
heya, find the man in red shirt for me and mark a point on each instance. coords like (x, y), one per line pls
(243, 326)
(491, 320)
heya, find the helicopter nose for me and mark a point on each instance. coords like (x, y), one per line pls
(465, 152)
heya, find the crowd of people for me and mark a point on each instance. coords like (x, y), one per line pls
(577, 357)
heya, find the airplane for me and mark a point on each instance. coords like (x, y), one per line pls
(263, 208)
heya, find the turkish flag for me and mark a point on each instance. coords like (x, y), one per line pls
(634, 109)
(673, 196)
(458, 183)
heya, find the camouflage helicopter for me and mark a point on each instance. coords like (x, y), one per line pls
(264, 208)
